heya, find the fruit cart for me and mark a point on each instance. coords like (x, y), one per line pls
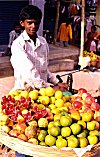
(18, 141)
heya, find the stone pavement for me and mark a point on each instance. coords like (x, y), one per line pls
(60, 59)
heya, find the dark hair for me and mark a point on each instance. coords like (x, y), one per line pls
(93, 27)
(30, 12)
(16, 24)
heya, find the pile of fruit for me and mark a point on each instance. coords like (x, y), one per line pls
(94, 59)
(51, 117)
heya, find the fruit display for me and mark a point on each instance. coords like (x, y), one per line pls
(94, 59)
(49, 117)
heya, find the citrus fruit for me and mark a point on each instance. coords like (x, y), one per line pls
(42, 143)
(50, 140)
(57, 123)
(50, 124)
(52, 106)
(44, 100)
(94, 132)
(60, 143)
(65, 120)
(49, 91)
(84, 133)
(86, 117)
(54, 131)
(33, 94)
(52, 100)
(75, 116)
(24, 94)
(57, 116)
(43, 122)
(67, 104)
(41, 137)
(83, 142)
(91, 125)
(76, 128)
(92, 139)
(65, 131)
(82, 123)
(55, 111)
(59, 103)
(64, 113)
(73, 142)
(42, 91)
(58, 94)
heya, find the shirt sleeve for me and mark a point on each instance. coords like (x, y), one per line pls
(70, 31)
(25, 67)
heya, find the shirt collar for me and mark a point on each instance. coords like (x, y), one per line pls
(39, 41)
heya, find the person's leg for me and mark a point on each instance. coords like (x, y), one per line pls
(19, 155)
(65, 43)
(61, 43)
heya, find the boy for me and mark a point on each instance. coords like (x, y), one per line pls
(29, 54)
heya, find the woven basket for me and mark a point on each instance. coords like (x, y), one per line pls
(42, 151)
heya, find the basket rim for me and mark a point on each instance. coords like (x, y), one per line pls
(37, 150)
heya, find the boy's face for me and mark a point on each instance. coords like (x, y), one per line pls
(31, 26)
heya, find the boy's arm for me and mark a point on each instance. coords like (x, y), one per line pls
(24, 66)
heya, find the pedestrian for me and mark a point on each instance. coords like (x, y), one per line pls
(12, 36)
(90, 44)
(30, 54)
(65, 33)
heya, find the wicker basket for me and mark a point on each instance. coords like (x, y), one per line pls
(42, 151)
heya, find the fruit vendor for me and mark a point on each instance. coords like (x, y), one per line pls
(30, 54)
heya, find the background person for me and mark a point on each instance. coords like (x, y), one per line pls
(12, 36)
(65, 33)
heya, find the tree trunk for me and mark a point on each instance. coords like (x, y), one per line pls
(56, 22)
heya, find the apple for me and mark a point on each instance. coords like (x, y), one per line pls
(81, 91)
(77, 105)
(89, 99)
(20, 128)
(95, 106)
(84, 95)
(5, 128)
(97, 116)
(22, 137)
(13, 133)
(20, 119)
(78, 98)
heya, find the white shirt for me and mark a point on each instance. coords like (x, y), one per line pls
(30, 62)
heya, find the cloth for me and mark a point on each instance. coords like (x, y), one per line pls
(30, 62)
(65, 32)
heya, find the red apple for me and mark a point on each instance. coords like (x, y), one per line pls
(97, 125)
(95, 106)
(77, 105)
(86, 106)
(78, 98)
(81, 91)
(84, 95)
(89, 99)
(13, 133)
